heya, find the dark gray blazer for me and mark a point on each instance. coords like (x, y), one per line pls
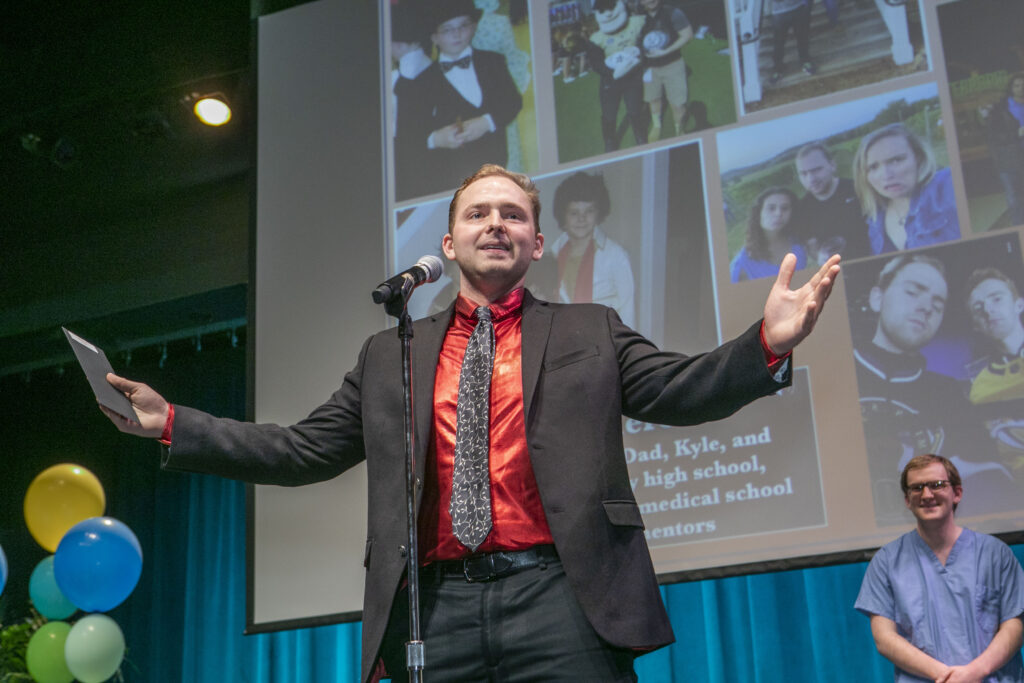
(582, 371)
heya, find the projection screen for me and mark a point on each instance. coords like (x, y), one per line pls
(915, 352)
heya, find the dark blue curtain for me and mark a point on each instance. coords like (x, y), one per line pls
(184, 621)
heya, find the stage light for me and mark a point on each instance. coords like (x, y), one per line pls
(213, 110)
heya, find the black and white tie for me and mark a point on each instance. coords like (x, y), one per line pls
(471, 481)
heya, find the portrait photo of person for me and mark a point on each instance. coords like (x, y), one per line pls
(769, 237)
(461, 109)
(816, 157)
(598, 235)
(592, 268)
(624, 72)
(912, 343)
(907, 201)
(791, 50)
(984, 53)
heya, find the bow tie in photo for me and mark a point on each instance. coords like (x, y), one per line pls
(461, 63)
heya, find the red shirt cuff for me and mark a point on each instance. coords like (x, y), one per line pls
(165, 436)
(774, 361)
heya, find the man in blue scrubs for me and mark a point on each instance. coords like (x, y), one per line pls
(945, 602)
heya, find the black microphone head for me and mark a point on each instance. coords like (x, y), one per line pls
(433, 265)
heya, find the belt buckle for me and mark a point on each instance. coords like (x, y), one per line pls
(484, 567)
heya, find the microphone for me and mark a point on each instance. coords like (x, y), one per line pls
(427, 269)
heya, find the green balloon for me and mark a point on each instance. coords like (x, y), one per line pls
(94, 648)
(45, 654)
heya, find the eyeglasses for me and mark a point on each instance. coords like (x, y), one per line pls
(932, 486)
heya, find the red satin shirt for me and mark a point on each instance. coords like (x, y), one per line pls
(516, 511)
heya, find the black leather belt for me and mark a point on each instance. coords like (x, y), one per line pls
(490, 566)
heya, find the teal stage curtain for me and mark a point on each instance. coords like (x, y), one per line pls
(780, 627)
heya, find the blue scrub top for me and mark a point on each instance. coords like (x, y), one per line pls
(950, 612)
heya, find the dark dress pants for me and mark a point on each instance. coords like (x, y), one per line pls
(628, 89)
(519, 628)
(799, 20)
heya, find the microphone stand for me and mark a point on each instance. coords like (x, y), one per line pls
(397, 306)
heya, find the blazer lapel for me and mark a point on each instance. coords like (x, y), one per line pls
(426, 349)
(536, 326)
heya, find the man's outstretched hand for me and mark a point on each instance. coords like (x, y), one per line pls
(150, 407)
(790, 315)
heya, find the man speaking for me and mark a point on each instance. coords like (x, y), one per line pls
(534, 563)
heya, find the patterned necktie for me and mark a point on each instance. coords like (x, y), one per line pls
(471, 481)
(463, 63)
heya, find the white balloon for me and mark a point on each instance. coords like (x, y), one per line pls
(94, 648)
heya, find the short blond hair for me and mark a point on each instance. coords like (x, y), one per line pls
(488, 170)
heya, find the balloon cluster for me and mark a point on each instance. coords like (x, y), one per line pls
(96, 564)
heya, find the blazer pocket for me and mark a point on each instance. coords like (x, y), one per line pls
(623, 513)
(569, 358)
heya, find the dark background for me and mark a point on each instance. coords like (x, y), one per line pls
(127, 220)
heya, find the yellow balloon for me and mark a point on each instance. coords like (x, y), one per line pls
(59, 498)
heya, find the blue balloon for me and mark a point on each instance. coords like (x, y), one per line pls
(3, 570)
(98, 563)
(45, 593)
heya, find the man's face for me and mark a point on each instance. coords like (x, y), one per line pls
(891, 167)
(995, 311)
(928, 505)
(580, 219)
(493, 237)
(816, 173)
(911, 309)
(650, 6)
(454, 35)
(775, 212)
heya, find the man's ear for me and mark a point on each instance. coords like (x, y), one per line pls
(538, 246)
(875, 299)
(448, 247)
